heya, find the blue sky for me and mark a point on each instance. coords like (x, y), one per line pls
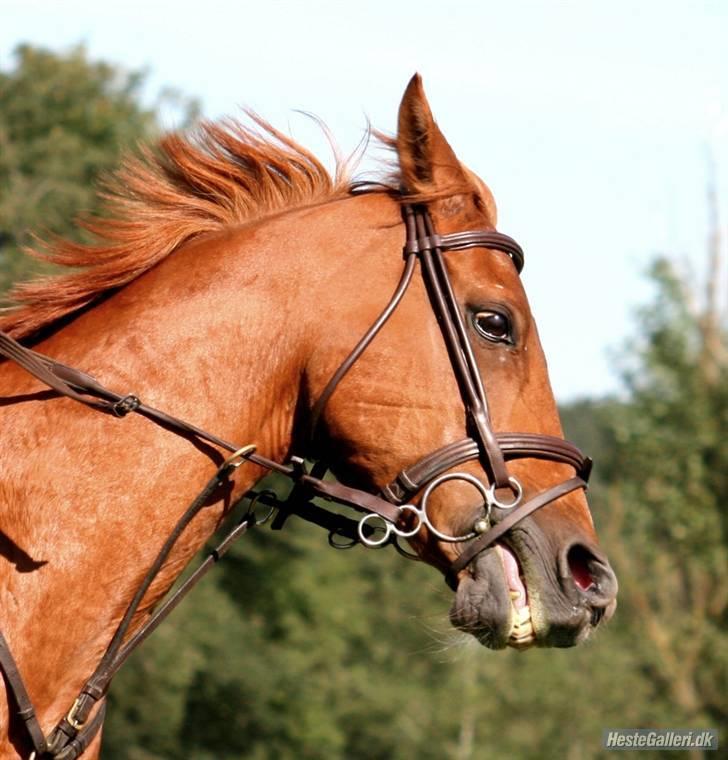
(591, 121)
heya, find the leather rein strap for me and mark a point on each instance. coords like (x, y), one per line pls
(77, 729)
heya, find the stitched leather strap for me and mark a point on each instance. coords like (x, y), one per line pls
(353, 497)
(462, 358)
(459, 241)
(87, 390)
(513, 445)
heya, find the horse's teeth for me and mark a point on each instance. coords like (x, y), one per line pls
(522, 634)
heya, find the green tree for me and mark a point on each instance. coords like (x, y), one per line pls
(64, 120)
(668, 500)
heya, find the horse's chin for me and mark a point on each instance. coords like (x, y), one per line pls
(492, 604)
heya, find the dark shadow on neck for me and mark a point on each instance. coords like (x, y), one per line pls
(23, 562)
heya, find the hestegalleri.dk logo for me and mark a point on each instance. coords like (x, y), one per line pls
(660, 738)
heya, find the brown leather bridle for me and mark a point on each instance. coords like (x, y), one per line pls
(398, 517)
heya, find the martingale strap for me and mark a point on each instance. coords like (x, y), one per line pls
(77, 729)
(23, 703)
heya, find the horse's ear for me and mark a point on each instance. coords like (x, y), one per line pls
(428, 165)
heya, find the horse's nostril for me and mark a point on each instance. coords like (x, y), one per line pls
(580, 565)
(594, 579)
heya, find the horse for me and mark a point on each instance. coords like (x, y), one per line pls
(230, 283)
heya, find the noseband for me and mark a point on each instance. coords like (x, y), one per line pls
(397, 516)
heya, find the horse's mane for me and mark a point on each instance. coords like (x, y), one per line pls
(225, 174)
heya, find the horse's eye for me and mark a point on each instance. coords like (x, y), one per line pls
(494, 326)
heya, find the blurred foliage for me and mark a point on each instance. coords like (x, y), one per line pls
(293, 650)
(667, 496)
(64, 121)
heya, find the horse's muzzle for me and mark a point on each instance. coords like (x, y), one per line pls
(524, 594)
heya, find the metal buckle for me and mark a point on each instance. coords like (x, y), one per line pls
(71, 720)
(237, 458)
(123, 406)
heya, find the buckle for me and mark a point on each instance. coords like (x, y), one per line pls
(123, 406)
(236, 458)
(71, 718)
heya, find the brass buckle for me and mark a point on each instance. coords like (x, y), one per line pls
(237, 458)
(71, 720)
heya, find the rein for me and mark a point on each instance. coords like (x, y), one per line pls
(388, 516)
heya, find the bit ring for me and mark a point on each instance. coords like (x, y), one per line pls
(515, 487)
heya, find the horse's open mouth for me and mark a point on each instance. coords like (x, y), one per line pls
(522, 635)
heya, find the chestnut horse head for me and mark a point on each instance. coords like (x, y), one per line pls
(229, 288)
(545, 581)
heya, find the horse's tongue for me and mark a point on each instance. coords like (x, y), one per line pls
(512, 570)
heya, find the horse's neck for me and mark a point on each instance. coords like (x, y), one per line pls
(86, 500)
